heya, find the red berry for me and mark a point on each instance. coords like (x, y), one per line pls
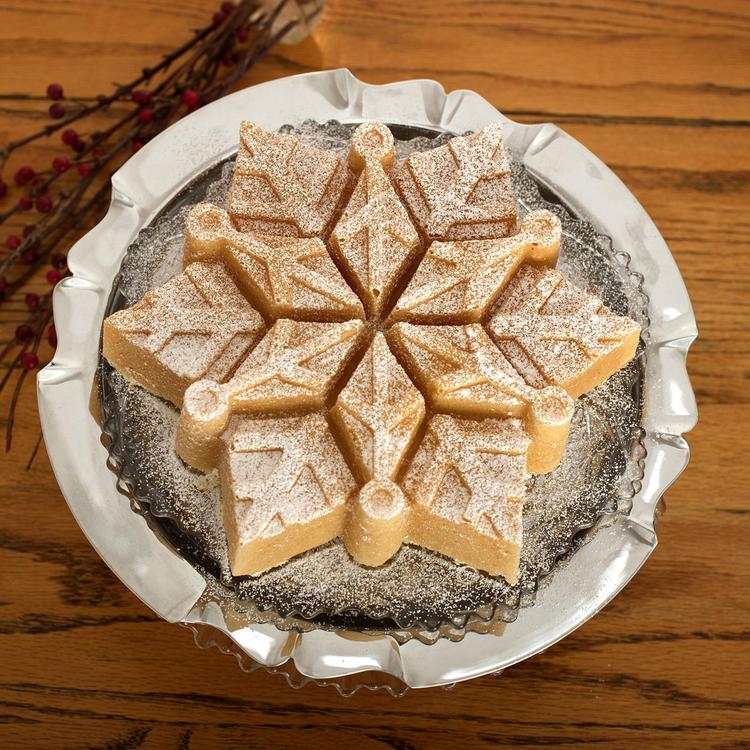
(53, 276)
(59, 260)
(24, 333)
(79, 146)
(219, 17)
(228, 8)
(69, 137)
(25, 203)
(190, 98)
(136, 146)
(24, 175)
(56, 111)
(3, 189)
(61, 163)
(145, 115)
(29, 361)
(141, 96)
(55, 91)
(84, 170)
(98, 152)
(242, 35)
(32, 301)
(12, 241)
(43, 204)
(3, 284)
(52, 336)
(29, 256)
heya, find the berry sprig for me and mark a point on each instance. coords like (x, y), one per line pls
(49, 206)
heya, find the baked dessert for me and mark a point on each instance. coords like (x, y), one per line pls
(415, 355)
(374, 241)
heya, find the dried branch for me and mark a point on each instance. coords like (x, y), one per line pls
(71, 195)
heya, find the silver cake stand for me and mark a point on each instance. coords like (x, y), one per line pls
(166, 582)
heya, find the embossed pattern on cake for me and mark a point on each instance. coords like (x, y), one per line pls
(554, 333)
(374, 240)
(460, 191)
(378, 414)
(285, 488)
(293, 368)
(195, 326)
(411, 372)
(282, 186)
(467, 483)
(283, 276)
(458, 282)
(461, 371)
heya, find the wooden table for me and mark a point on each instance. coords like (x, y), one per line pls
(661, 92)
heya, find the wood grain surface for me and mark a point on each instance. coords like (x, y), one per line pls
(658, 89)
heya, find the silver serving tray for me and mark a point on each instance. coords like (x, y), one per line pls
(169, 584)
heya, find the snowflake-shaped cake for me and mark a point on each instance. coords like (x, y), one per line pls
(363, 352)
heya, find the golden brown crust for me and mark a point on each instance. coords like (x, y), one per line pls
(458, 282)
(284, 277)
(374, 241)
(292, 368)
(556, 334)
(466, 484)
(284, 486)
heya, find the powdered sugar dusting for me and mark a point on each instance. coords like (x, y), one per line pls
(457, 282)
(284, 187)
(374, 239)
(566, 332)
(197, 325)
(280, 472)
(460, 191)
(284, 276)
(487, 460)
(379, 410)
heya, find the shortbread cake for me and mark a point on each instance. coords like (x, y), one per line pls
(373, 350)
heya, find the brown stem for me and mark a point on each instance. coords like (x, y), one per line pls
(254, 52)
(95, 143)
(38, 322)
(63, 210)
(37, 445)
(238, 19)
